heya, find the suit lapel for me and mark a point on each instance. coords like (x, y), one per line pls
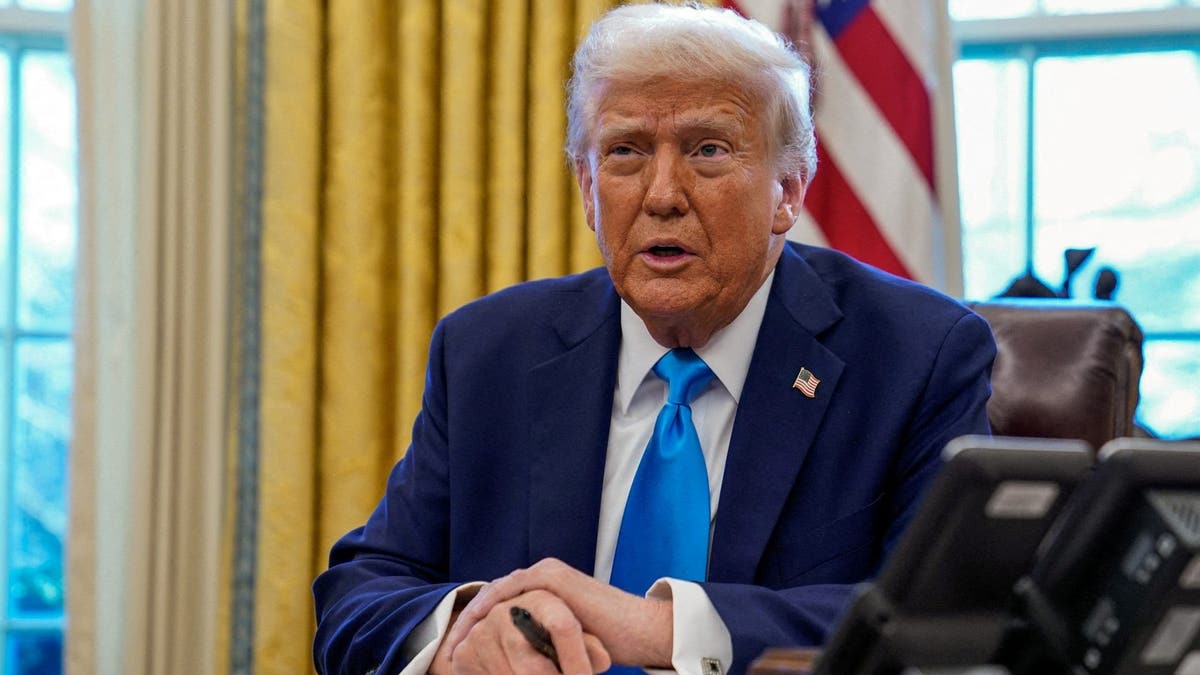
(570, 412)
(775, 424)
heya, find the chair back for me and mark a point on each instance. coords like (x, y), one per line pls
(1063, 369)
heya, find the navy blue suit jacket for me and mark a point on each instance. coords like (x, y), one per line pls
(507, 457)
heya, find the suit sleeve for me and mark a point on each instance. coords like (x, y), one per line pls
(386, 577)
(953, 403)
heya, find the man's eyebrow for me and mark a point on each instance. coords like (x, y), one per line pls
(607, 131)
(719, 124)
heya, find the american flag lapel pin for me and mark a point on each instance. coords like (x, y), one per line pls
(807, 383)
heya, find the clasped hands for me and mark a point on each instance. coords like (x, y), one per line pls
(592, 625)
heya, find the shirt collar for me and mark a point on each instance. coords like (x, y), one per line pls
(728, 353)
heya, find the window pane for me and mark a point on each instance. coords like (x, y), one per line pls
(990, 111)
(990, 9)
(34, 654)
(41, 433)
(1096, 6)
(1117, 164)
(5, 179)
(48, 193)
(1170, 388)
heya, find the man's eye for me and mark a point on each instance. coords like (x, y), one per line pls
(710, 150)
(622, 150)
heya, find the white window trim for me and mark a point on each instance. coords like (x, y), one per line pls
(1160, 22)
(14, 19)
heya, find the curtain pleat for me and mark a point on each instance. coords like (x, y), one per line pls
(414, 162)
(508, 66)
(285, 550)
(462, 152)
(549, 192)
(356, 281)
(417, 217)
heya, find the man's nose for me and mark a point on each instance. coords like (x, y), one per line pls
(665, 194)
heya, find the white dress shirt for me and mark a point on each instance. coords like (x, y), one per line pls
(699, 632)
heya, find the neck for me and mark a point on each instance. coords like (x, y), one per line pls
(682, 335)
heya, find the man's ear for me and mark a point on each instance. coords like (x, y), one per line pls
(791, 199)
(583, 175)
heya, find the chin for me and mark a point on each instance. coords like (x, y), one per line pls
(668, 295)
(663, 304)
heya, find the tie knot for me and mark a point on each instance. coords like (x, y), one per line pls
(686, 375)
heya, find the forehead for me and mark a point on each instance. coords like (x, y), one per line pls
(680, 105)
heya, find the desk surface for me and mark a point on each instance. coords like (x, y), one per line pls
(784, 661)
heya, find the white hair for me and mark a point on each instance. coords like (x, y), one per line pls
(638, 43)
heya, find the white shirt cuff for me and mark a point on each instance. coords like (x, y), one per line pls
(700, 635)
(422, 643)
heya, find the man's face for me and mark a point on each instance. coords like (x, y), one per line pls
(686, 202)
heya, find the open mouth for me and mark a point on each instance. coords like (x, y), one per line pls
(665, 251)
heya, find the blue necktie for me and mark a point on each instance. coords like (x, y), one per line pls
(664, 531)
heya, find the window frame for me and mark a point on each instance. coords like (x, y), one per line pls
(35, 23)
(1049, 28)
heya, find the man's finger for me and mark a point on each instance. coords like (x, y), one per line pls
(564, 631)
(481, 652)
(598, 656)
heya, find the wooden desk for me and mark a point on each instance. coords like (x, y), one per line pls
(785, 661)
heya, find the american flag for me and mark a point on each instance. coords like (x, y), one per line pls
(885, 190)
(806, 382)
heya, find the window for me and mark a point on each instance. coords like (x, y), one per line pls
(37, 261)
(1078, 127)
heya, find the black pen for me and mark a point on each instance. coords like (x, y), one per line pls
(535, 633)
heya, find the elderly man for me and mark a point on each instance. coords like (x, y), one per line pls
(689, 455)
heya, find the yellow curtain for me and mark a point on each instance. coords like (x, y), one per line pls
(411, 161)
